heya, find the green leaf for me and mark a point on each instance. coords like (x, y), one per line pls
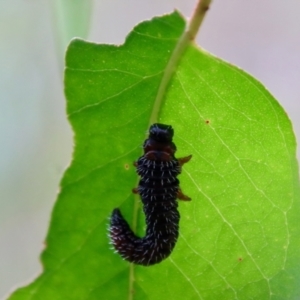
(239, 236)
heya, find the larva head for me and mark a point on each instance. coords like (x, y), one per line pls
(161, 132)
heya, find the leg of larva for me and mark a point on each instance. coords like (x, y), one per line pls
(135, 190)
(182, 196)
(135, 163)
(184, 160)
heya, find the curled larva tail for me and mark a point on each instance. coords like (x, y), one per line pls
(122, 237)
(145, 251)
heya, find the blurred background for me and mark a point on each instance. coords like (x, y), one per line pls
(261, 37)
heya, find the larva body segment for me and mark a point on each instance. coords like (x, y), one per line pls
(159, 190)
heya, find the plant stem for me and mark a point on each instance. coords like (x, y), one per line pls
(187, 37)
